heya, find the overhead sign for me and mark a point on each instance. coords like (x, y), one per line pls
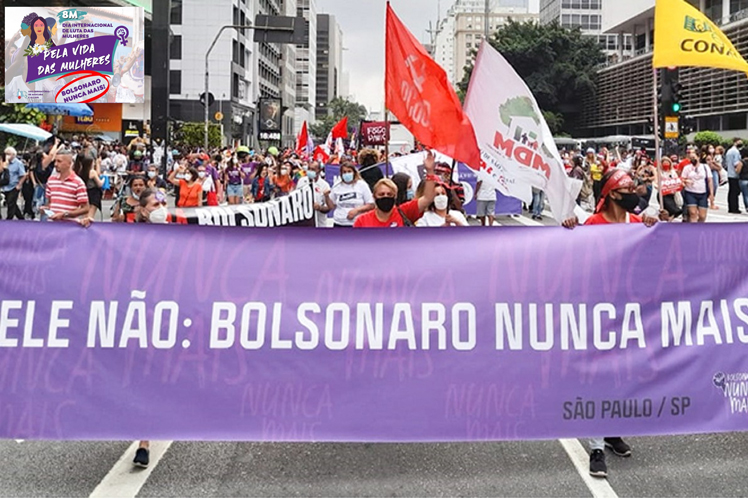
(68, 55)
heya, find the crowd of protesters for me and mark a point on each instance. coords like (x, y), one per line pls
(232, 176)
(689, 182)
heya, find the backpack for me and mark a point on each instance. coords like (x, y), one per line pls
(5, 177)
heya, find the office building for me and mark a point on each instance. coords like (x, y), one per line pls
(329, 62)
(716, 98)
(306, 66)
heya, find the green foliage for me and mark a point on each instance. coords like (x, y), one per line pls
(708, 138)
(557, 64)
(193, 134)
(17, 113)
(339, 108)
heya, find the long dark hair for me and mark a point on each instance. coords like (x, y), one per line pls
(82, 166)
(401, 180)
(47, 34)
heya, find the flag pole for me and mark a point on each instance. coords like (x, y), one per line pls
(656, 127)
(387, 142)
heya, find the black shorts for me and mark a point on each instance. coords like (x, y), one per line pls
(94, 197)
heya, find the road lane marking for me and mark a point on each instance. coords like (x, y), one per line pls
(600, 488)
(125, 480)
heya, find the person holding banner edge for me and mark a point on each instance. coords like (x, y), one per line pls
(618, 201)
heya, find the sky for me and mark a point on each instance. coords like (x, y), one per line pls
(363, 22)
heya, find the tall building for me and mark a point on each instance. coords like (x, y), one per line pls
(288, 79)
(329, 62)
(458, 36)
(588, 16)
(716, 98)
(306, 66)
(194, 24)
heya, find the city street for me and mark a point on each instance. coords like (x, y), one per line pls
(697, 465)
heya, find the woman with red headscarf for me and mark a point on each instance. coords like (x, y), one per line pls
(618, 200)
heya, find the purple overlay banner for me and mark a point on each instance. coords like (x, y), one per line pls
(92, 55)
(220, 333)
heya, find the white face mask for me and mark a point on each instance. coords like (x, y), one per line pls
(441, 202)
(201, 174)
(188, 178)
(159, 216)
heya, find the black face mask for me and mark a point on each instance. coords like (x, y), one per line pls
(629, 202)
(385, 204)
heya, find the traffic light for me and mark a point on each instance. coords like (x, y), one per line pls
(687, 125)
(670, 93)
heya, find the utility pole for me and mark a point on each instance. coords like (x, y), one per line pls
(486, 31)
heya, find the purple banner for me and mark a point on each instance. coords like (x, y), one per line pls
(194, 333)
(94, 54)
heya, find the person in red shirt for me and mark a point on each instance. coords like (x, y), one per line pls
(386, 214)
(618, 200)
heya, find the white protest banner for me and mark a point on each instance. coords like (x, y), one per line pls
(516, 144)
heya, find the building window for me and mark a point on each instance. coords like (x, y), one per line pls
(175, 49)
(236, 15)
(576, 4)
(713, 10)
(235, 86)
(235, 52)
(176, 12)
(241, 54)
(175, 82)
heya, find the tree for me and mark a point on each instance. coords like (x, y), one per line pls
(557, 64)
(707, 138)
(193, 134)
(339, 108)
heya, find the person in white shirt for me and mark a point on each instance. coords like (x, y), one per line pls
(439, 214)
(350, 197)
(485, 203)
(322, 202)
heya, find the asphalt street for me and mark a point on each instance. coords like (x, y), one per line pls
(698, 465)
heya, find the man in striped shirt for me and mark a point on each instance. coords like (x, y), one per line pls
(66, 192)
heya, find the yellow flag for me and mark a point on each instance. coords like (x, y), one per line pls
(686, 37)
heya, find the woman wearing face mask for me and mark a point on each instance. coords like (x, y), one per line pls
(153, 208)
(321, 189)
(190, 189)
(405, 190)
(350, 197)
(210, 192)
(439, 214)
(262, 186)
(618, 201)
(233, 178)
(126, 208)
(672, 199)
(387, 214)
(283, 181)
(699, 190)
(154, 181)
(707, 157)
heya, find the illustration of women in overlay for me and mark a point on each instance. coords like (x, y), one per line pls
(39, 33)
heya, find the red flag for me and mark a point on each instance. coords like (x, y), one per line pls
(304, 143)
(320, 155)
(419, 94)
(341, 129)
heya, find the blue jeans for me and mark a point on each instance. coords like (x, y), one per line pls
(744, 190)
(538, 202)
(715, 182)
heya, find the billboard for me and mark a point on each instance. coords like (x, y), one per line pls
(270, 115)
(74, 55)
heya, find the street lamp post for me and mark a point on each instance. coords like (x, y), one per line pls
(207, 55)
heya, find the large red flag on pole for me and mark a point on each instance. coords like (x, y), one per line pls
(419, 94)
(304, 142)
(340, 130)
